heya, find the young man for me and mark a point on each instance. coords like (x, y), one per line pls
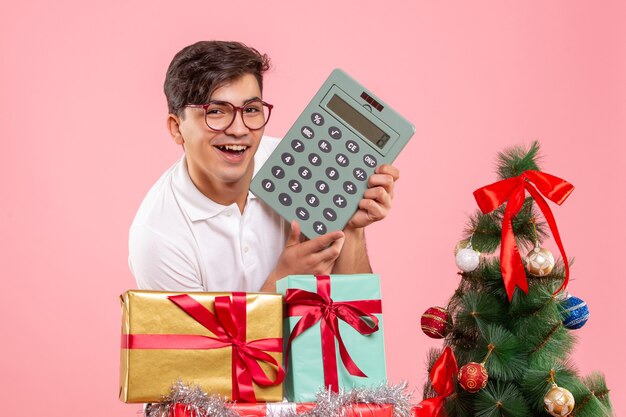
(199, 228)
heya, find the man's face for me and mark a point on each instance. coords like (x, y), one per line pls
(221, 159)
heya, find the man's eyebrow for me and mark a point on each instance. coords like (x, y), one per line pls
(251, 99)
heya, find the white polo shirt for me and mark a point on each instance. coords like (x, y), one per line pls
(181, 240)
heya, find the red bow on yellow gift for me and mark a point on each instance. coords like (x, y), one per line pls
(228, 324)
(512, 192)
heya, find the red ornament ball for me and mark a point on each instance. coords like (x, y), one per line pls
(473, 377)
(435, 322)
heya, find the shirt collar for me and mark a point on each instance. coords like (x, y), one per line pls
(197, 205)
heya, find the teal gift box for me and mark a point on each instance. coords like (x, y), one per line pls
(333, 330)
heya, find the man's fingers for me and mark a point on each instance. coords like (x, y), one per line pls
(378, 194)
(294, 234)
(332, 252)
(382, 180)
(320, 243)
(389, 170)
(374, 210)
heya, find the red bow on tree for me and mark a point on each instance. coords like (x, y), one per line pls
(512, 192)
(442, 378)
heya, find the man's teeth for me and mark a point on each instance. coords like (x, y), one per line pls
(236, 148)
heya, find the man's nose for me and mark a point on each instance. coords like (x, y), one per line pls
(238, 127)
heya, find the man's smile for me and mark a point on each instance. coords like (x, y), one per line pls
(232, 152)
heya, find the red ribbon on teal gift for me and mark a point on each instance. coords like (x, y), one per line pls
(229, 327)
(320, 307)
(512, 191)
(442, 378)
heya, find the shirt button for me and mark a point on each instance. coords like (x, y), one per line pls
(229, 213)
(245, 249)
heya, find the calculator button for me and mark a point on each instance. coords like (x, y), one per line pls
(278, 172)
(297, 145)
(342, 160)
(268, 185)
(284, 199)
(330, 215)
(339, 201)
(325, 146)
(334, 132)
(302, 213)
(322, 187)
(317, 119)
(287, 158)
(349, 187)
(352, 146)
(370, 161)
(312, 200)
(305, 173)
(332, 173)
(295, 186)
(315, 159)
(359, 174)
(307, 132)
(319, 227)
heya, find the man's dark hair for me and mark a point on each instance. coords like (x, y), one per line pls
(198, 69)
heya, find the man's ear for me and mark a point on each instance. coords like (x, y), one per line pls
(173, 126)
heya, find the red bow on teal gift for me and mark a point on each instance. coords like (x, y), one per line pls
(320, 307)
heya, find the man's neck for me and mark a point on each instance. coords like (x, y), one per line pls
(223, 193)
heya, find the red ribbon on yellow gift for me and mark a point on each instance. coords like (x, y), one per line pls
(320, 307)
(512, 191)
(228, 324)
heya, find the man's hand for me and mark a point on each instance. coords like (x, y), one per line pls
(311, 257)
(376, 201)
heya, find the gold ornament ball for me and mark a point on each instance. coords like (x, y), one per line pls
(559, 401)
(539, 262)
(462, 244)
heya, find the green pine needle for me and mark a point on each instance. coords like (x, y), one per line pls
(433, 355)
(500, 399)
(459, 404)
(536, 383)
(513, 161)
(540, 295)
(507, 360)
(587, 404)
(596, 383)
(478, 307)
(554, 341)
(485, 230)
(591, 408)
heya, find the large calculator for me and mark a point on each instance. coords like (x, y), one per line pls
(318, 173)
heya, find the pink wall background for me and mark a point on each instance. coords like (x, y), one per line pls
(83, 135)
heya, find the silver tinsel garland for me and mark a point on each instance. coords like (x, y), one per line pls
(328, 404)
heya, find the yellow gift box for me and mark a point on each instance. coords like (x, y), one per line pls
(228, 344)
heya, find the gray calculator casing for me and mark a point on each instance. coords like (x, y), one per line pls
(351, 132)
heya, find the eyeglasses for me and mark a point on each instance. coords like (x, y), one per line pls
(220, 115)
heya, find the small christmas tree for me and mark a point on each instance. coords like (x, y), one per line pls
(509, 323)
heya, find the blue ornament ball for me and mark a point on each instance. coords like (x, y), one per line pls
(575, 312)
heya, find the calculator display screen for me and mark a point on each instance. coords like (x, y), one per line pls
(357, 121)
